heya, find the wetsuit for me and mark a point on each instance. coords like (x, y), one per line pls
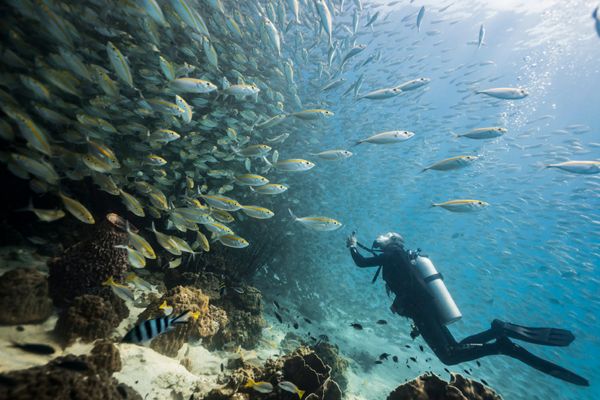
(413, 301)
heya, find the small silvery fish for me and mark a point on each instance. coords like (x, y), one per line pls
(413, 84)
(151, 328)
(269, 188)
(381, 94)
(578, 167)
(484, 133)
(389, 137)
(505, 93)
(293, 165)
(332, 155)
(451, 163)
(312, 114)
(462, 205)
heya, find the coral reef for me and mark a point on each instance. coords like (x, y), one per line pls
(330, 354)
(310, 373)
(83, 267)
(245, 321)
(243, 307)
(431, 387)
(105, 356)
(24, 297)
(181, 298)
(90, 317)
(303, 367)
(64, 378)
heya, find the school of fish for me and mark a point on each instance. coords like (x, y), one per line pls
(181, 109)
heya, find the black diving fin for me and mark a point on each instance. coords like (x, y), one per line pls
(543, 336)
(513, 350)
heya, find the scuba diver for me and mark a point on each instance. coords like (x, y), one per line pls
(422, 296)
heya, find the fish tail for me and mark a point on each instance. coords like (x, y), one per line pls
(357, 143)
(269, 163)
(250, 383)
(292, 214)
(108, 281)
(300, 393)
(455, 135)
(179, 319)
(595, 13)
(423, 170)
(225, 83)
(433, 205)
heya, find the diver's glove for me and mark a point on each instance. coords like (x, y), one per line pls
(351, 240)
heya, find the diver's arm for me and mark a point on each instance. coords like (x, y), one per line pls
(363, 262)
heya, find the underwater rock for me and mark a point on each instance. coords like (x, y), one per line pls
(430, 386)
(181, 298)
(64, 378)
(243, 307)
(302, 367)
(24, 297)
(208, 282)
(105, 356)
(245, 320)
(89, 318)
(83, 267)
(330, 354)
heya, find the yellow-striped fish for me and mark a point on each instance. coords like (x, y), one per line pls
(257, 212)
(77, 209)
(462, 205)
(132, 204)
(312, 114)
(318, 223)
(234, 241)
(119, 64)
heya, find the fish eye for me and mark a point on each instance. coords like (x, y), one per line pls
(479, 202)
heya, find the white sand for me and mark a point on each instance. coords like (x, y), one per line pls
(155, 376)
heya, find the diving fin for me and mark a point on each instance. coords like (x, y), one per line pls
(513, 350)
(543, 336)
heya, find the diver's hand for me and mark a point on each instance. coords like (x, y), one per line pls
(351, 240)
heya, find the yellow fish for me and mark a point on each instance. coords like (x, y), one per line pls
(77, 209)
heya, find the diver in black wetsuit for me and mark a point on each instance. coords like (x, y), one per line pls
(414, 301)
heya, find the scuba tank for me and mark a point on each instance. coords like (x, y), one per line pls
(429, 277)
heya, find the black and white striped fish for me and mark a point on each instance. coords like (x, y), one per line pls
(151, 328)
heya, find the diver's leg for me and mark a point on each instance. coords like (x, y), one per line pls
(482, 337)
(445, 347)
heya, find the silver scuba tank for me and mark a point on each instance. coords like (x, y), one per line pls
(446, 308)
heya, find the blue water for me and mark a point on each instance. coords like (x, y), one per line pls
(532, 256)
